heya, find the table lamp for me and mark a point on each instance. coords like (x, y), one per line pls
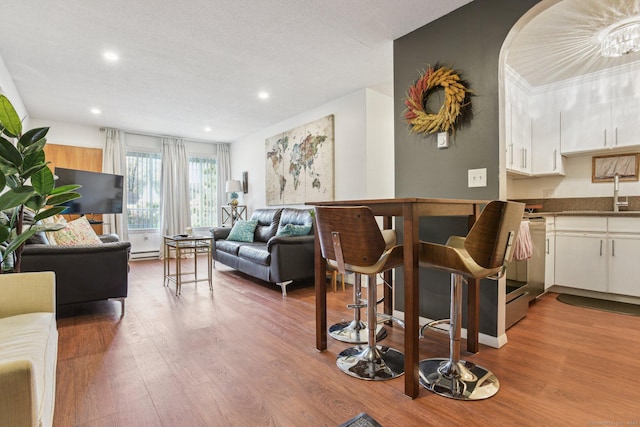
(232, 187)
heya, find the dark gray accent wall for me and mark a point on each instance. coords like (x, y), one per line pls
(468, 39)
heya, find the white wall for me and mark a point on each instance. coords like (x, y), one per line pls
(575, 183)
(363, 131)
(8, 89)
(62, 133)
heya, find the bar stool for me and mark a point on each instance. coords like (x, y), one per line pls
(350, 240)
(356, 331)
(484, 253)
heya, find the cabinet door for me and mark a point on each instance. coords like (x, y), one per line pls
(519, 148)
(624, 266)
(625, 129)
(586, 128)
(546, 158)
(581, 261)
(549, 260)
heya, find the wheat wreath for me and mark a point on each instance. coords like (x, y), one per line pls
(456, 106)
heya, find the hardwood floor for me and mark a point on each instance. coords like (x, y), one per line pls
(244, 356)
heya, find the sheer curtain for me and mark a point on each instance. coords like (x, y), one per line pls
(174, 201)
(114, 161)
(224, 173)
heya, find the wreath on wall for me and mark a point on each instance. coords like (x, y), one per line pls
(455, 110)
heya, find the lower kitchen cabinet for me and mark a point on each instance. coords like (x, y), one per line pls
(581, 261)
(596, 253)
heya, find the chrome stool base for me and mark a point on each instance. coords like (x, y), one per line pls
(355, 332)
(371, 363)
(462, 380)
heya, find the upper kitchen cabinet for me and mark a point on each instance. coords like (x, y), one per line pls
(518, 140)
(592, 128)
(546, 157)
(579, 68)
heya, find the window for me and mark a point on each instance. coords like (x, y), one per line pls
(203, 191)
(143, 190)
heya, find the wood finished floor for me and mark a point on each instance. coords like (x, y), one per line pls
(244, 356)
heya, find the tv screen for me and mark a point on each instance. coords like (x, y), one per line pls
(101, 192)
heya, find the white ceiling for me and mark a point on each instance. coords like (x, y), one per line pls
(196, 63)
(562, 42)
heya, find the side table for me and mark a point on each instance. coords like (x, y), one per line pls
(181, 245)
(231, 214)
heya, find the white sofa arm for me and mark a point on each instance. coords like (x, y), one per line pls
(23, 293)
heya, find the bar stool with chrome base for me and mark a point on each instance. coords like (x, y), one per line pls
(350, 240)
(484, 253)
(356, 331)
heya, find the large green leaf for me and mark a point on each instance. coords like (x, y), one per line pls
(35, 147)
(15, 243)
(10, 153)
(5, 232)
(3, 182)
(9, 118)
(46, 213)
(33, 136)
(62, 198)
(36, 202)
(65, 189)
(43, 181)
(15, 197)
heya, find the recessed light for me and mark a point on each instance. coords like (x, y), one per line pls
(96, 111)
(111, 56)
(263, 95)
(207, 129)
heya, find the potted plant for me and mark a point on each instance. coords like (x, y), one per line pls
(25, 182)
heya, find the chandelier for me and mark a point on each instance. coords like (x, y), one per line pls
(621, 39)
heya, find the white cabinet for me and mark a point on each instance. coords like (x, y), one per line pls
(624, 122)
(518, 141)
(581, 261)
(600, 126)
(546, 158)
(586, 128)
(549, 254)
(624, 247)
(598, 254)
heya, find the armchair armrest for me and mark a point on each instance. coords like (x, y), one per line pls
(22, 293)
(220, 233)
(289, 240)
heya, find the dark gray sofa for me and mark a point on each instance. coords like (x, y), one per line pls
(274, 259)
(84, 273)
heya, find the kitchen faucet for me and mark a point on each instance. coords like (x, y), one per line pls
(616, 199)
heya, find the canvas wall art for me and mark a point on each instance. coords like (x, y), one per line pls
(300, 164)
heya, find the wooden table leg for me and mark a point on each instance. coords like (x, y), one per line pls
(473, 302)
(388, 278)
(411, 298)
(320, 267)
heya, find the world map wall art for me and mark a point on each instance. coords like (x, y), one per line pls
(300, 166)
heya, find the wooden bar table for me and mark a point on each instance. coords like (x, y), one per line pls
(410, 209)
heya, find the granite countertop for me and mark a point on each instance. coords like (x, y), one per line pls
(587, 213)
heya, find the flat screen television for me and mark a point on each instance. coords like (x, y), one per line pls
(101, 192)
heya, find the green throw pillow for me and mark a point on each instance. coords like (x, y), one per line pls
(289, 230)
(243, 231)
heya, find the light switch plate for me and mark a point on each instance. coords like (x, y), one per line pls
(478, 177)
(443, 140)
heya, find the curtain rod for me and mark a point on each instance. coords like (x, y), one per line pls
(102, 129)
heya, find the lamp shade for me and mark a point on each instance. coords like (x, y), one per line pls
(233, 186)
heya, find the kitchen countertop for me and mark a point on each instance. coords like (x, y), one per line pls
(584, 213)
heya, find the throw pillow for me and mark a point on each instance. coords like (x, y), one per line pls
(243, 231)
(56, 219)
(77, 232)
(289, 230)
